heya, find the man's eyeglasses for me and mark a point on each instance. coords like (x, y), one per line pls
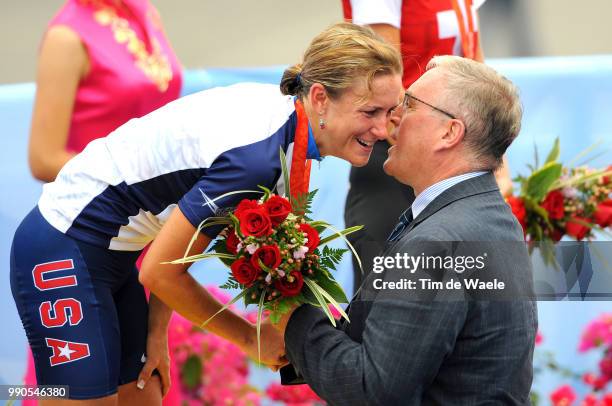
(408, 96)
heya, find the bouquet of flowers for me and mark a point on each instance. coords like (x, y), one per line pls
(555, 200)
(276, 253)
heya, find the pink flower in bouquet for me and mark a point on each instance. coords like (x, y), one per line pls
(554, 204)
(603, 213)
(312, 235)
(255, 222)
(570, 192)
(300, 252)
(232, 241)
(291, 285)
(244, 272)
(518, 209)
(278, 209)
(576, 228)
(269, 255)
(563, 396)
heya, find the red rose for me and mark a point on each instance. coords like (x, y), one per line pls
(245, 205)
(603, 213)
(290, 288)
(312, 235)
(278, 209)
(576, 228)
(232, 241)
(244, 272)
(255, 222)
(269, 255)
(556, 234)
(518, 209)
(554, 205)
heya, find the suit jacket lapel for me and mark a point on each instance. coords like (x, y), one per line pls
(474, 186)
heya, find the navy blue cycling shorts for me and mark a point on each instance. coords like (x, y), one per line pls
(82, 307)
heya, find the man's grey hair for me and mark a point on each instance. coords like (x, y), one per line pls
(487, 103)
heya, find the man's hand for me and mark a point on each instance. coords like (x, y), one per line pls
(157, 358)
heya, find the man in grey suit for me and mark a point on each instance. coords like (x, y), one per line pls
(447, 314)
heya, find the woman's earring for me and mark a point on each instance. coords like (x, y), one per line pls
(321, 124)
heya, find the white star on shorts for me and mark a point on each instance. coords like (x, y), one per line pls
(65, 351)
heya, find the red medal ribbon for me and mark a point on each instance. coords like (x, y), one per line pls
(468, 35)
(300, 166)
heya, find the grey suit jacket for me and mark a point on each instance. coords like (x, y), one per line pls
(413, 347)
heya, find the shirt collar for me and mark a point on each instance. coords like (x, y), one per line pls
(428, 195)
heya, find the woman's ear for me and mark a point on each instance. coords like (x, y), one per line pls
(318, 98)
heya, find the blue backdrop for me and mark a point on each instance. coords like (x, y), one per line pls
(567, 97)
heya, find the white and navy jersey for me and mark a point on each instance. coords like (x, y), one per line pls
(120, 190)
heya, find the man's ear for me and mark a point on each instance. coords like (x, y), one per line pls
(455, 132)
(318, 98)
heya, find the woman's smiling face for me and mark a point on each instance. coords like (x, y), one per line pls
(353, 125)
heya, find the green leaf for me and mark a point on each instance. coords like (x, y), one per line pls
(259, 313)
(580, 180)
(275, 316)
(333, 288)
(225, 307)
(248, 297)
(267, 192)
(284, 305)
(195, 235)
(338, 234)
(540, 181)
(538, 232)
(198, 257)
(330, 299)
(308, 297)
(553, 155)
(584, 152)
(285, 172)
(302, 203)
(231, 283)
(191, 372)
(320, 299)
